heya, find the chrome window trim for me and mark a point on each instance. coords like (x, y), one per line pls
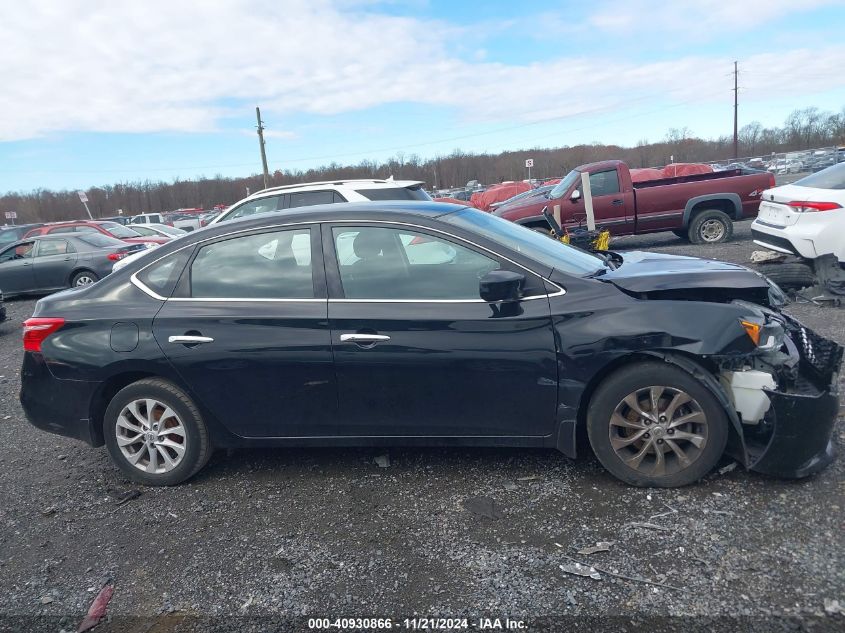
(141, 286)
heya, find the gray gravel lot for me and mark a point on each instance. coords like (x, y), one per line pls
(287, 533)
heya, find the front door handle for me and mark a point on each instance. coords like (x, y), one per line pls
(363, 339)
(190, 340)
(617, 201)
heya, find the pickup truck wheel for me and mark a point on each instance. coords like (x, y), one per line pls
(710, 227)
(654, 424)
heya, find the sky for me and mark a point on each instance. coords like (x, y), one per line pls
(96, 92)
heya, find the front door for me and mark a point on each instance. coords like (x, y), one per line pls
(16, 273)
(419, 353)
(246, 328)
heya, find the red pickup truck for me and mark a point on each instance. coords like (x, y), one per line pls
(700, 207)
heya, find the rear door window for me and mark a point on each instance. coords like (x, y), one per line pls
(309, 198)
(53, 247)
(273, 265)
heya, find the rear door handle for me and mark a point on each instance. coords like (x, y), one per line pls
(363, 338)
(190, 340)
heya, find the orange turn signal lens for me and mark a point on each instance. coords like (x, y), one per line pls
(753, 330)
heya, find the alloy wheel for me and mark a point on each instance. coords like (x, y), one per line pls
(151, 436)
(658, 430)
(84, 280)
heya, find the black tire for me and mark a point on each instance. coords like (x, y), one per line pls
(196, 441)
(790, 276)
(81, 277)
(703, 228)
(684, 235)
(641, 376)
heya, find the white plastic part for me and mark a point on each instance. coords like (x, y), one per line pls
(745, 389)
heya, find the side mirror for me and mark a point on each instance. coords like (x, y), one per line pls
(501, 285)
(576, 195)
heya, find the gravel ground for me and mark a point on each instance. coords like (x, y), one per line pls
(260, 539)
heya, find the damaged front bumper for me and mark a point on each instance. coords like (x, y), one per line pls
(793, 438)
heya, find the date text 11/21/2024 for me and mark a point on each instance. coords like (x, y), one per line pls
(417, 624)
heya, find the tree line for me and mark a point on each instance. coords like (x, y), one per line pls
(803, 129)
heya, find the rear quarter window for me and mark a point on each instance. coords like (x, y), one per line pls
(395, 193)
(161, 277)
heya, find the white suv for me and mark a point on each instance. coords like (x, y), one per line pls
(329, 192)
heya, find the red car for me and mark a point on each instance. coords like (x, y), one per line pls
(112, 229)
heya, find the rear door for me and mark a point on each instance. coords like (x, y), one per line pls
(54, 259)
(419, 353)
(16, 271)
(247, 330)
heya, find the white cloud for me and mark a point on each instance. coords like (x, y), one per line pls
(178, 66)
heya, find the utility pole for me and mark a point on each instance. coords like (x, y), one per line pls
(261, 144)
(736, 108)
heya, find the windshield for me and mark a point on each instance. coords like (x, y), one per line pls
(830, 178)
(118, 230)
(530, 243)
(395, 193)
(563, 186)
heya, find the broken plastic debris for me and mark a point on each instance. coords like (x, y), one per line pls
(726, 469)
(767, 256)
(648, 526)
(382, 461)
(578, 569)
(97, 609)
(600, 546)
(46, 600)
(129, 495)
(833, 607)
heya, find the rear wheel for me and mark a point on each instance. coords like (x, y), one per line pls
(155, 434)
(710, 227)
(654, 424)
(790, 276)
(84, 278)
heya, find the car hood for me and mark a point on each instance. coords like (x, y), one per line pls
(661, 276)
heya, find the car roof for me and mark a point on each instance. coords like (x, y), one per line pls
(390, 210)
(351, 183)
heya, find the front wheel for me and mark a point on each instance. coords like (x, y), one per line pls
(653, 424)
(710, 227)
(155, 434)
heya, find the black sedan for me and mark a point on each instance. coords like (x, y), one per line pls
(426, 323)
(42, 264)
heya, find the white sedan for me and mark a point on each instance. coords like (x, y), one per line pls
(805, 218)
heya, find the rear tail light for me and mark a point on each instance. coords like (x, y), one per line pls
(803, 207)
(115, 256)
(36, 331)
(772, 182)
